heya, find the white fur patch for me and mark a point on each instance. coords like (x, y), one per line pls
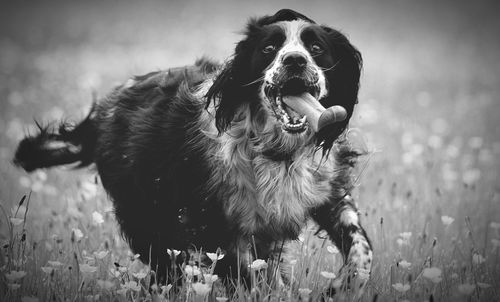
(293, 43)
(348, 217)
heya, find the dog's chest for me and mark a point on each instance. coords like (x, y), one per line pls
(275, 197)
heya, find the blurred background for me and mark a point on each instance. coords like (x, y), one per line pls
(429, 103)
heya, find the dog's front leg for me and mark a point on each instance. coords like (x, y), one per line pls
(340, 220)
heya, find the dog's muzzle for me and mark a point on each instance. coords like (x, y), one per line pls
(293, 77)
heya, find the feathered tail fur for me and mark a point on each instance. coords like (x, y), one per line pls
(52, 147)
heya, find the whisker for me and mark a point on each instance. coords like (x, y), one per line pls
(331, 67)
(253, 82)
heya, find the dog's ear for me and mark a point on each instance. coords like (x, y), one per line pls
(343, 79)
(228, 91)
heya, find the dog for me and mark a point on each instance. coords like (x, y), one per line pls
(211, 155)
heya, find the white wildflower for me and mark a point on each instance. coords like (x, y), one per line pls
(77, 233)
(97, 218)
(447, 220)
(433, 274)
(304, 293)
(16, 221)
(214, 256)
(402, 288)
(87, 269)
(192, 270)
(47, 269)
(478, 259)
(54, 263)
(15, 275)
(258, 264)
(483, 285)
(466, 288)
(332, 249)
(201, 289)
(101, 255)
(105, 284)
(404, 264)
(328, 275)
(132, 285)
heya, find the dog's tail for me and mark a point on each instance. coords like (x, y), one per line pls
(53, 147)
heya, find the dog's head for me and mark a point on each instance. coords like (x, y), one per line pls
(286, 54)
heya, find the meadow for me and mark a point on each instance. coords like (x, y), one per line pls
(428, 114)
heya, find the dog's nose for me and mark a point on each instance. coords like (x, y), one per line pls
(294, 59)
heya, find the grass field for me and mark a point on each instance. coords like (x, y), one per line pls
(428, 112)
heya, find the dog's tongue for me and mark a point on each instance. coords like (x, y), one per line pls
(317, 116)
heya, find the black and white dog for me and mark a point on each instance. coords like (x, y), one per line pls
(209, 156)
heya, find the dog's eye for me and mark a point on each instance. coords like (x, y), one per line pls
(316, 48)
(269, 48)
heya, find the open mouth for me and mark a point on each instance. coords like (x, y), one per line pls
(291, 121)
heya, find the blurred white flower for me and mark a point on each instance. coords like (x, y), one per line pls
(328, 275)
(54, 263)
(402, 288)
(25, 181)
(13, 286)
(192, 270)
(165, 289)
(405, 235)
(77, 233)
(105, 284)
(47, 269)
(258, 264)
(87, 269)
(132, 285)
(466, 288)
(15, 275)
(304, 293)
(140, 275)
(471, 176)
(332, 249)
(495, 225)
(213, 256)
(475, 142)
(173, 253)
(440, 126)
(97, 218)
(101, 255)
(404, 264)
(483, 285)
(209, 278)
(40, 175)
(221, 299)
(37, 186)
(447, 220)
(433, 274)
(16, 221)
(435, 142)
(478, 258)
(495, 243)
(201, 289)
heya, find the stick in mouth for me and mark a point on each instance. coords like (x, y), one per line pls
(317, 115)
